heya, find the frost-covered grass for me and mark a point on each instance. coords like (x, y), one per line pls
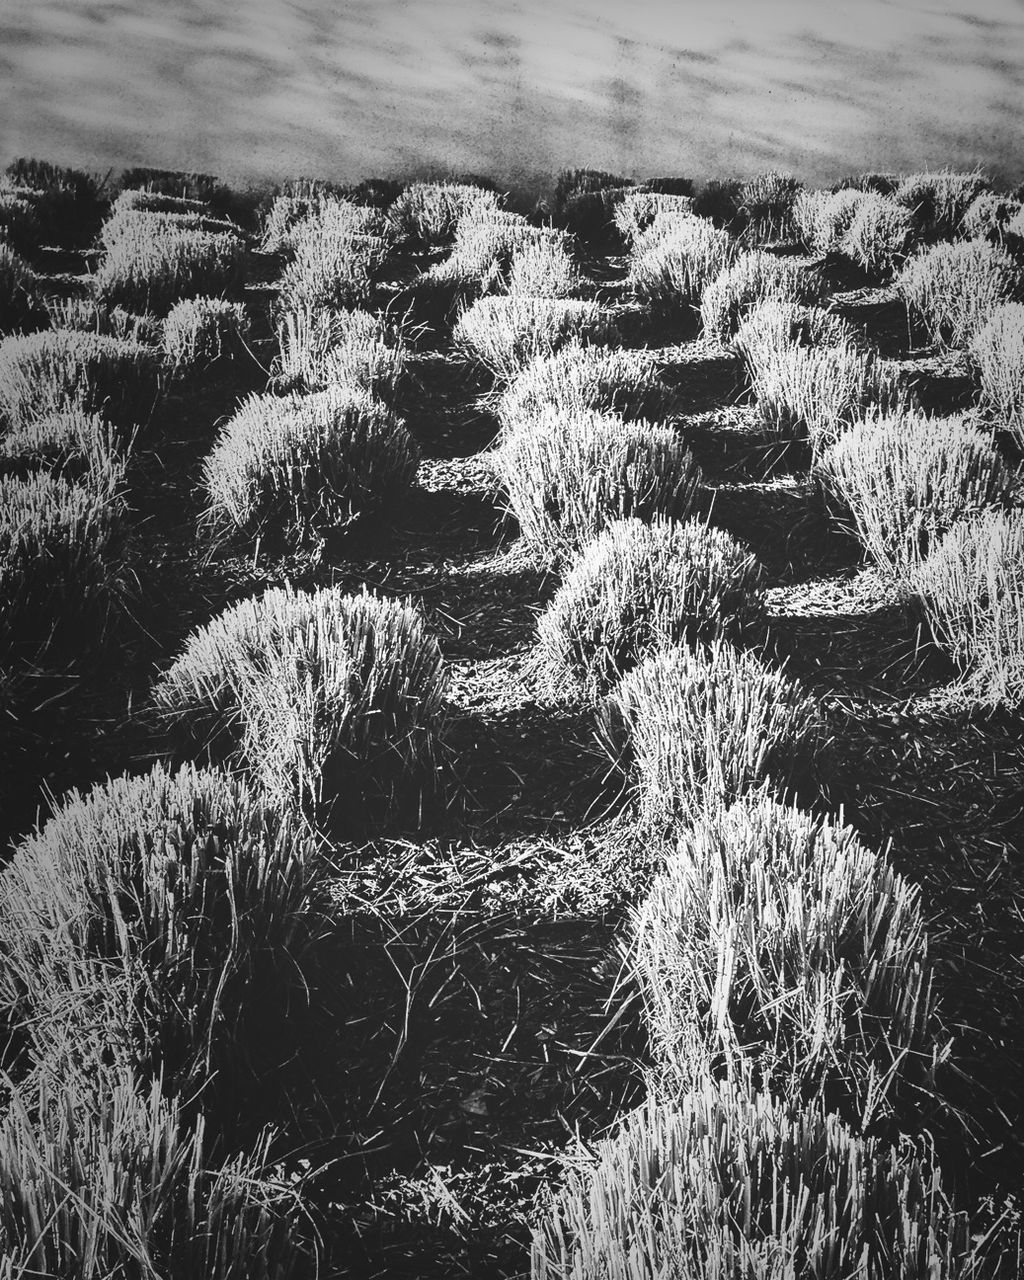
(952, 289)
(880, 234)
(318, 349)
(427, 214)
(724, 1184)
(697, 727)
(752, 279)
(822, 218)
(156, 202)
(154, 263)
(335, 259)
(638, 587)
(567, 474)
(497, 251)
(59, 369)
(322, 695)
(765, 206)
(199, 331)
(939, 201)
(302, 468)
(309, 202)
(506, 333)
(817, 392)
(870, 226)
(545, 268)
(636, 210)
(776, 948)
(20, 305)
(109, 1178)
(88, 315)
(576, 378)
(988, 216)
(676, 258)
(141, 912)
(59, 558)
(908, 478)
(774, 327)
(71, 441)
(137, 223)
(997, 350)
(972, 590)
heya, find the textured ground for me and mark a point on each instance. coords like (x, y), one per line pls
(469, 1013)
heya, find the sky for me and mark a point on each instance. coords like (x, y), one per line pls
(517, 89)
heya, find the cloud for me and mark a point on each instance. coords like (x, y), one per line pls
(701, 87)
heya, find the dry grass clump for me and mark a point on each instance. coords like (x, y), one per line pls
(156, 202)
(773, 327)
(59, 565)
(590, 215)
(309, 201)
(427, 214)
(907, 478)
(115, 1180)
(317, 349)
(775, 948)
(693, 727)
(818, 392)
(765, 206)
(20, 306)
(636, 210)
(585, 201)
(301, 468)
(91, 316)
(153, 264)
(136, 225)
(20, 226)
(617, 380)
(972, 589)
(884, 183)
(952, 289)
(284, 214)
(880, 234)
(1014, 232)
(67, 204)
(198, 331)
(725, 1184)
(143, 912)
(822, 218)
(670, 185)
(638, 587)
(544, 268)
(719, 200)
(324, 696)
(182, 183)
(499, 251)
(59, 369)
(676, 258)
(988, 216)
(335, 260)
(869, 225)
(485, 241)
(505, 333)
(750, 280)
(579, 182)
(567, 474)
(71, 442)
(940, 200)
(997, 350)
